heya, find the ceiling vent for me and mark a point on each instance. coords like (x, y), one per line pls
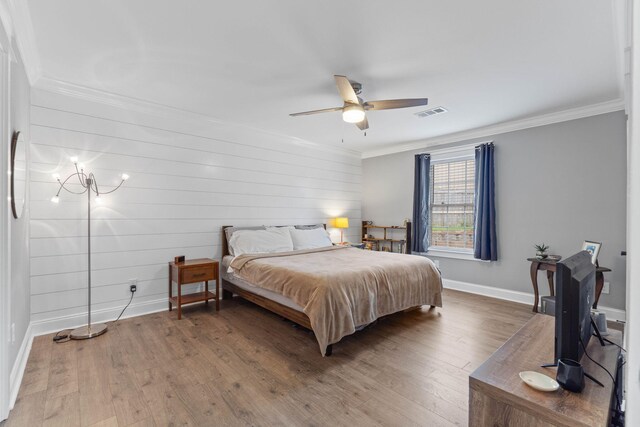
(431, 112)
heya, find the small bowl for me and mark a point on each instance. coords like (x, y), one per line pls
(539, 381)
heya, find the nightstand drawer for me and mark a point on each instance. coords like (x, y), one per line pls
(198, 274)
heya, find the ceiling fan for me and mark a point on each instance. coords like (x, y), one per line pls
(353, 110)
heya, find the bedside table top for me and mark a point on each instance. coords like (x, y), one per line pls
(193, 262)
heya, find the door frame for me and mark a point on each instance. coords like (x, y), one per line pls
(5, 51)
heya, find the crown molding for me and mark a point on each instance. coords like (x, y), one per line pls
(160, 110)
(510, 126)
(16, 20)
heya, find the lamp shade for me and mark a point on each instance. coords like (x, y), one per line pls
(342, 222)
(353, 113)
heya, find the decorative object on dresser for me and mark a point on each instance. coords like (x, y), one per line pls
(593, 248)
(393, 237)
(541, 251)
(89, 185)
(18, 173)
(193, 271)
(341, 223)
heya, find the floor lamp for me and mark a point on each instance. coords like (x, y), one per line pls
(89, 184)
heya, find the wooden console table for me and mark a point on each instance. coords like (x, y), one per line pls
(498, 397)
(549, 264)
(193, 271)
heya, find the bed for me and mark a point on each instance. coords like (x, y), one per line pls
(331, 290)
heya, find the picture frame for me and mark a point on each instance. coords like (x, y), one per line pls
(593, 248)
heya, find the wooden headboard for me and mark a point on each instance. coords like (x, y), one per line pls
(225, 243)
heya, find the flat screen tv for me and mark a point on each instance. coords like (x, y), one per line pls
(575, 292)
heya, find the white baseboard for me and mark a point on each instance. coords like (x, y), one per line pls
(516, 296)
(55, 324)
(19, 366)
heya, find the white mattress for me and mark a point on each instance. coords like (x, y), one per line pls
(273, 296)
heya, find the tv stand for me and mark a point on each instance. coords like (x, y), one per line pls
(497, 395)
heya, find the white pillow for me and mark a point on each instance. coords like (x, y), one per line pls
(260, 241)
(310, 239)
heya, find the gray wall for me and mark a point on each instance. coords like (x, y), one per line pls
(559, 184)
(20, 290)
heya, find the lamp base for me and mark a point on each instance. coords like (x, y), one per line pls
(86, 332)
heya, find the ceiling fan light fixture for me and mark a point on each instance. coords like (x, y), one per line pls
(353, 113)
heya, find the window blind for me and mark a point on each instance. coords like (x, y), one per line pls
(452, 204)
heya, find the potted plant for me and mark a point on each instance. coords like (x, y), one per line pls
(541, 251)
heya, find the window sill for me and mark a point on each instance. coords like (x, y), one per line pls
(439, 253)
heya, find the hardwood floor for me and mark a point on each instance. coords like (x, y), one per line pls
(246, 366)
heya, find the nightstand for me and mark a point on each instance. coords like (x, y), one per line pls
(193, 271)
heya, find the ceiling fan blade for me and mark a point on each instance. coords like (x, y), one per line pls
(390, 104)
(346, 90)
(307, 113)
(363, 125)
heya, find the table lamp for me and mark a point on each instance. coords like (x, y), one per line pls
(342, 223)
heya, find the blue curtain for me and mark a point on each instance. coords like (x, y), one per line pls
(485, 245)
(421, 228)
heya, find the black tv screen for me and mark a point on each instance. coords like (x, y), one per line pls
(575, 292)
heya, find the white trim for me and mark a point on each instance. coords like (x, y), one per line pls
(7, 24)
(55, 324)
(5, 275)
(443, 253)
(159, 110)
(613, 314)
(500, 128)
(460, 152)
(19, 366)
(454, 152)
(17, 16)
(619, 13)
(632, 330)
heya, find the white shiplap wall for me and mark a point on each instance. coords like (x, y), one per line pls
(189, 176)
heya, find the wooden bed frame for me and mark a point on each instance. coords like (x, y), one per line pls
(298, 317)
(228, 289)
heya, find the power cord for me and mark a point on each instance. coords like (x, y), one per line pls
(133, 291)
(62, 338)
(65, 335)
(615, 383)
(611, 342)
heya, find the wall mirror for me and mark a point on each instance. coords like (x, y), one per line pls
(18, 174)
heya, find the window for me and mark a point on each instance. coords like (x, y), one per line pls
(452, 203)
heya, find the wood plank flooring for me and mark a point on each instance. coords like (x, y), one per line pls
(246, 366)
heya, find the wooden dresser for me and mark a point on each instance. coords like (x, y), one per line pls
(498, 397)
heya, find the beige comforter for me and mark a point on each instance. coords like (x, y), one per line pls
(342, 288)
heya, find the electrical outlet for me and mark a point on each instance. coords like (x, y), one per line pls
(133, 285)
(605, 288)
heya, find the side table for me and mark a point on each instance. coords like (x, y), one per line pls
(549, 264)
(193, 271)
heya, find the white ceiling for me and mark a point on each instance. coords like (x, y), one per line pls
(254, 61)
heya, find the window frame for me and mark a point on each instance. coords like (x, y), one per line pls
(461, 153)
